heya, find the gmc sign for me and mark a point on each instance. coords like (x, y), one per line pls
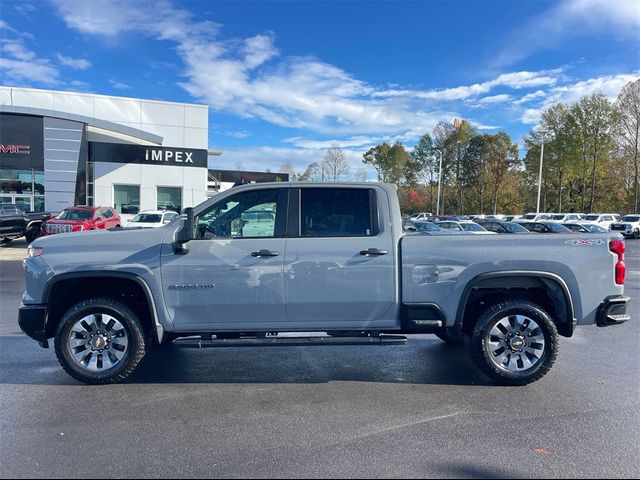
(16, 149)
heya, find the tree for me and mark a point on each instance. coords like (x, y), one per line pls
(335, 165)
(311, 174)
(288, 168)
(393, 163)
(628, 133)
(503, 156)
(423, 155)
(361, 175)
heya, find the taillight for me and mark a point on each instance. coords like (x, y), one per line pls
(617, 247)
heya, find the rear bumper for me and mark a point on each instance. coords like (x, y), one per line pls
(613, 311)
(31, 319)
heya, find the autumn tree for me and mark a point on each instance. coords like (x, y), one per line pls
(628, 133)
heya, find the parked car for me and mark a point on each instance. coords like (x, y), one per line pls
(544, 227)
(535, 217)
(602, 219)
(503, 227)
(442, 218)
(420, 216)
(566, 217)
(336, 261)
(430, 228)
(465, 226)
(14, 223)
(583, 227)
(151, 219)
(77, 219)
(511, 218)
(629, 226)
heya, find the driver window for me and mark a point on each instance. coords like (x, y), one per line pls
(245, 215)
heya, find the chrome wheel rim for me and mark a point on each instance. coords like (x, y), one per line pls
(98, 342)
(516, 344)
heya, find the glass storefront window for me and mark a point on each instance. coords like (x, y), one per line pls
(169, 198)
(126, 198)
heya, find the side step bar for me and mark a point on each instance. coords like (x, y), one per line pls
(194, 342)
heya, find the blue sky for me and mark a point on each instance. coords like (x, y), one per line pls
(285, 80)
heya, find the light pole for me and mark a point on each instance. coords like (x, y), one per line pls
(540, 175)
(439, 182)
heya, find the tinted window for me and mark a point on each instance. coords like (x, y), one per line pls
(472, 227)
(556, 227)
(592, 218)
(631, 218)
(75, 214)
(336, 212)
(244, 215)
(146, 218)
(426, 227)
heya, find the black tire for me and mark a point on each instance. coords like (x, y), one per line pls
(6, 240)
(636, 234)
(31, 234)
(451, 336)
(481, 354)
(136, 348)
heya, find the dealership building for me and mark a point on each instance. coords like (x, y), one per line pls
(59, 149)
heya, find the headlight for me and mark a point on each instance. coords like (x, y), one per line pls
(34, 251)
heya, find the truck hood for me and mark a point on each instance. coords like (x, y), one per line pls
(103, 249)
(66, 222)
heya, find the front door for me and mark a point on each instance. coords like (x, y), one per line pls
(232, 276)
(339, 268)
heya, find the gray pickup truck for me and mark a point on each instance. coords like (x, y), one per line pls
(258, 262)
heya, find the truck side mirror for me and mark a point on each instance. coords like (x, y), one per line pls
(184, 234)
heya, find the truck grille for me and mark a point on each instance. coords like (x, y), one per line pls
(57, 228)
(618, 227)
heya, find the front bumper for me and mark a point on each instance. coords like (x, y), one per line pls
(31, 319)
(613, 311)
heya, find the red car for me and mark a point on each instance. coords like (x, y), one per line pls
(77, 219)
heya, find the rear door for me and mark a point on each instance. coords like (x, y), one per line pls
(339, 264)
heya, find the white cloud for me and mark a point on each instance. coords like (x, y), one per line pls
(571, 18)
(492, 100)
(360, 141)
(530, 97)
(608, 85)
(19, 65)
(272, 158)
(119, 85)
(531, 116)
(75, 63)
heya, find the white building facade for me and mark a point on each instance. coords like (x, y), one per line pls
(59, 149)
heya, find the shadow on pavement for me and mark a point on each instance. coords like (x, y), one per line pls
(421, 361)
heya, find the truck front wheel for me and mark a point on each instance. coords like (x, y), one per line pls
(99, 341)
(514, 342)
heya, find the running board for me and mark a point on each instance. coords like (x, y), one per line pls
(290, 341)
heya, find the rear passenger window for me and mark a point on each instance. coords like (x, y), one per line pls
(337, 212)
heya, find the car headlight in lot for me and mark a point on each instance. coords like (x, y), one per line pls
(34, 251)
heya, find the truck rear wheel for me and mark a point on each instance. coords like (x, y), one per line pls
(514, 342)
(99, 341)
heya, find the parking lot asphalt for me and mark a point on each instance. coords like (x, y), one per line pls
(420, 410)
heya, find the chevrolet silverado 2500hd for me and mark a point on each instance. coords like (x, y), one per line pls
(259, 261)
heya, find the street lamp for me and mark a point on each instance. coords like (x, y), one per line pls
(439, 181)
(540, 171)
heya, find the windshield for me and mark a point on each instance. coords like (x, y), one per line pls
(559, 217)
(556, 227)
(595, 228)
(592, 218)
(472, 227)
(75, 214)
(513, 227)
(631, 218)
(426, 227)
(147, 218)
(529, 216)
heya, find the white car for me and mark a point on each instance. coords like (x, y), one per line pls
(465, 226)
(629, 226)
(151, 219)
(602, 219)
(566, 217)
(536, 217)
(421, 216)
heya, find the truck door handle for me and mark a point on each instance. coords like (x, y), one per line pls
(265, 253)
(373, 251)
